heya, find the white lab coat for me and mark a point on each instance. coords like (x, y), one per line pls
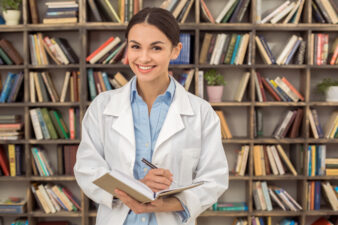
(189, 145)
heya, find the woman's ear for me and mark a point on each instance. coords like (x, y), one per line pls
(176, 51)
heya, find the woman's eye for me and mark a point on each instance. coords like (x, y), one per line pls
(135, 46)
(157, 48)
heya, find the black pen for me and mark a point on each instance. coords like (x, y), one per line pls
(152, 166)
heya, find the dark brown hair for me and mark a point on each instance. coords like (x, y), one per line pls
(160, 18)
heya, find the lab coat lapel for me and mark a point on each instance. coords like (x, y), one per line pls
(173, 122)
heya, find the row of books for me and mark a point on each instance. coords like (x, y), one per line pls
(279, 88)
(331, 166)
(185, 78)
(267, 160)
(179, 9)
(294, 47)
(226, 134)
(262, 195)
(324, 11)
(329, 131)
(224, 48)
(287, 12)
(58, 49)
(42, 88)
(230, 206)
(186, 54)
(54, 198)
(61, 12)
(11, 161)
(49, 124)
(255, 220)
(323, 53)
(11, 89)
(317, 189)
(8, 54)
(113, 50)
(316, 158)
(10, 127)
(232, 12)
(41, 163)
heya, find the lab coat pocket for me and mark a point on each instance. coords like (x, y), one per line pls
(186, 161)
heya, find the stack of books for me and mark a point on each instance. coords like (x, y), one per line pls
(10, 127)
(289, 125)
(185, 54)
(279, 88)
(316, 158)
(11, 163)
(13, 205)
(49, 124)
(41, 163)
(224, 48)
(61, 12)
(324, 11)
(323, 52)
(8, 54)
(287, 12)
(111, 51)
(58, 49)
(54, 198)
(233, 12)
(267, 160)
(285, 57)
(331, 166)
(230, 206)
(179, 9)
(12, 88)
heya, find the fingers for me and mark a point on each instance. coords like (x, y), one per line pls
(133, 204)
(158, 179)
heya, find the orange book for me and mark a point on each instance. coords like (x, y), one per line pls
(334, 56)
(292, 88)
(224, 123)
(71, 123)
(207, 12)
(99, 49)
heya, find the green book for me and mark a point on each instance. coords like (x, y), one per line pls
(61, 124)
(44, 93)
(56, 124)
(230, 49)
(5, 57)
(229, 13)
(50, 126)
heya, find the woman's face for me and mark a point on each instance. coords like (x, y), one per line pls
(149, 52)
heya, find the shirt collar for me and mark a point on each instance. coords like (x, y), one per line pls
(169, 93)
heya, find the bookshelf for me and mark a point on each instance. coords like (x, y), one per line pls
(86, 35)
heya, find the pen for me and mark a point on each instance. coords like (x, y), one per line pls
(152, 166)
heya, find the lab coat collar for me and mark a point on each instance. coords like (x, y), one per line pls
(119, 105)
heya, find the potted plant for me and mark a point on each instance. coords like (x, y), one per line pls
(329, 87)
(215, 85)
(11, 10)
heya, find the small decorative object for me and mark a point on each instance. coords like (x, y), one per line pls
(11, 11)
(329, 87)
(215, 85)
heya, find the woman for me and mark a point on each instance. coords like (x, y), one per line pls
(152, 117)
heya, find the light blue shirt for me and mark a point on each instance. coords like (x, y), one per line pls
(147, 129)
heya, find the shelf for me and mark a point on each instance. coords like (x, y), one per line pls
(14, 104)
(330, 104)
(280, 177)
(236, 141)
(56, 141)
(12, 67)
(333, 178)
(40, 213)
(274, 104)
(321, 212)
(235, 177)
(54, 66)
(277, 213)
(264, 66)
(14, 179)
(225, 26)
(278, 141)
(53, 178)
(53, 27)
(222, 104)
(54, 104)
(210, 213)
(224, 66)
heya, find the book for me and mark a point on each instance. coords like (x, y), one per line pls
(11, 51)
(116, 179)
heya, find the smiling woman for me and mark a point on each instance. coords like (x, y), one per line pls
(155, 118)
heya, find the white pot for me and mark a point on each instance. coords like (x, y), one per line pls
(12, 17)
(332, 94)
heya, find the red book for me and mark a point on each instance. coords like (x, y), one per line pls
(11, 126)
(271, 91)
(99, 49)
(71, 123)
(4, 162)
(334, 56)
(319, 49)
(71, 198)
(322, 221)
(294, 132)
(259, 78)
(53, 223)
(292, 88)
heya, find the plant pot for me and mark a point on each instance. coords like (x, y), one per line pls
(215, 93)
(12, 17)
(332, 94)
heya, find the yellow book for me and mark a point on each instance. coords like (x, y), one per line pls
(286, 160)
(257, 160)
(11, 157)
(313, 160)
(331, 172)
(37, 50)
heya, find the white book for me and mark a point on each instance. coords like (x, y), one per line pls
(331, 196)
(313, 125)
(282, 126)
(65, 87)
(276, 199)
(294, 202)
(258, 11)
(214, 52)
(272, 161)
(239, 160)
(53, 199)
(189, 79)
(60, 52)
(299, 12)
(179, 8)
(105, 50)
(241, 87)
(266, 195)
(292, 12)
(224, 11)
(47, 199)
(286, 201)
(220, 48)
(242, 49)
(283, 13)
(287, 49)
(36, 124)
(117, 179)
(258, 90)
(261, 195)
(275, 12)
(32, 87)
(329, 9)
(200, 87)
(286, 89)
(277, 160)
(244, 160)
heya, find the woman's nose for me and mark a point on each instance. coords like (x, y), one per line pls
(144, 56)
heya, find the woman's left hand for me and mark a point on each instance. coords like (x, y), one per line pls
(137, 207)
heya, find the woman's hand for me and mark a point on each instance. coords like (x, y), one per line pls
(158, 205)
(158, 179)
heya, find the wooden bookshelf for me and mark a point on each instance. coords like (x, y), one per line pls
(306, 72)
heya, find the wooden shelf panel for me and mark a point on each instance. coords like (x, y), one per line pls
(276, 178)
(274, 104)
(14, 179)
(277, 213)
(54, 104)
(265, 66)
(223, 104)
(278, 141)
(56, 141)
(53, 178)
(309, 178)
(12, 67)
(40, 213)
(326, 104)
(52, 66)
(321, 212)
(235, 177)
(210, 213)
(53, 27)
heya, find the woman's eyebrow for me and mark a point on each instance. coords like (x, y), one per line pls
(154, 43)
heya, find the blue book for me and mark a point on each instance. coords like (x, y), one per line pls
(293, 51)
(106, 81)
(16, 87)
(43, 124)
(91, 84)
(275, 89)
(310, 160)
(267, 49)
(234, 53)
(285, 222)
(261, 221)
(7, 87)
(317, 195)
(2, 21)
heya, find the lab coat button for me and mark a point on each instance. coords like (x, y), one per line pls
(143, 219)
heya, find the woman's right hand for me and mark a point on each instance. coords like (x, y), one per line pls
(158, 179)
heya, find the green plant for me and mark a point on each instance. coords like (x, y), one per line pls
(214, 78)
(10, 4)
(325, 84)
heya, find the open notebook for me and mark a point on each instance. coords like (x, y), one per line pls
(135, 188)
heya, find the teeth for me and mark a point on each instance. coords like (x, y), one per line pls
(145, 68)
